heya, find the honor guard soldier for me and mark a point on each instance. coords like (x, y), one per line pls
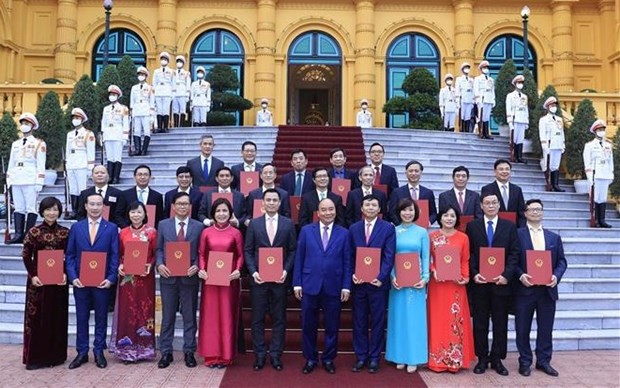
(364, 117)
(447, 103)
(598, 161)
(163, 80)
(465, 94)
(25, 176)
(264, 117)
(200, 98)
(142, 103)
(115, 128)
(79, 157)
(551, 133)
(518, 117)
(181, 91)
(484, 93)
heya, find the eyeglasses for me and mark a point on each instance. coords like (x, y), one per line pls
(182, 204)
(376, 152)
(535, 210)
(490, 203)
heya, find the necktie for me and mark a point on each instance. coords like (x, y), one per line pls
(141, 196)
(461, 202)
(416, 193)
(538, 242)
(377, 176)
(412, 193)
(92, 232)
(76, 132)
(505, 196)
(181, 234)
(100, 192)
(368, 225)
(490, 233)
(321, 196)
(205, 169)
(298, 185)
(325, 238)
(25, 140)
(271, 231)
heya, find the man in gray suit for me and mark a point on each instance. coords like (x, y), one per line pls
(178, 289)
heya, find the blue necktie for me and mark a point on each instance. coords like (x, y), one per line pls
(490, 233)
(205, 169)
(298, 185)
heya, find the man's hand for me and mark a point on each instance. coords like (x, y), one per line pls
(554, 281)
(500, 280)
(257, 278)
(38, 188)
(282, 278)
(147, 270)
(420, 284)
(344, 295)
(77, 283)
(191, 271)
(525, 279)
(395, 284)
(120, 270)
(356, 280)
(298, 292)
(462, 281)
(376, 282)
(479, 279)
(234, 275)
(105, 284)
(163, 271)
(36, 281)
(203, 274)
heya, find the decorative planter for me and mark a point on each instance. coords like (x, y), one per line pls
(527, 146)
(581, 186)
(504, 130)
(50, 177)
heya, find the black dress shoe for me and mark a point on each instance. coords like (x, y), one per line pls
(525, 370)
(499, 368)
(329, 367)
(308, 367)
(190, 360)
(480, 367)
(165, 360)
(259, 363)
(276, 363)
(359, 365)
(78, 361)
(100, 361)
(373, 366)
(548, 370)
(34, 366)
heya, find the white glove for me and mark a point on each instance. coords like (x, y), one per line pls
(590, 178)
(124, 142)
(545, 147)
(38, 188)
(511, 126)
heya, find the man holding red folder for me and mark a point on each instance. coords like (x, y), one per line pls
(510, 196)
(491, 296)
(530, 298)
(414, 190)
(224, 179)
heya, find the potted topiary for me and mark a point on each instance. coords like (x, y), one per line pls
(226, 103)
(503, 86)
(577, 136)
(614, 188)
(8, 134)
(536, 114)
(53, 131)
(531, 144)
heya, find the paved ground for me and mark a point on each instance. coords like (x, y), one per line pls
(584, 369)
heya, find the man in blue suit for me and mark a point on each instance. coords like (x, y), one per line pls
(414, 190)
(322, 280)
(310, 200)
(338, 160)
(184, 179)
(248, 153)
(204, 166)
(460, 197)
(384, 174)
(353, 211)
(223, 178)
(510, 195)
(268, 176)
(299, 181)
(92, 234)
(371, 298)
(529, 298)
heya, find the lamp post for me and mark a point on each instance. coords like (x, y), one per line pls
(525, 14)
(107, 5)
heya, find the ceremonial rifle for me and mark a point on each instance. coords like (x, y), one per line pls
(7, 202)
(547, 171)
(66, 185)
(130, 149)
(592, 213)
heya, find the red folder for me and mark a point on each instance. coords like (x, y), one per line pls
(367, 262)
(92, 268)
(539, 266)
(228, 196)
(382, 188)
(407, 267)
(258, 210)
(105, 213)
(207, 189)
(295, 206)
(463, 221)
(135, 257)
(219, 267)
(510, 216)
(315, 216)
(249, 181)
(51, 266)
(492, 262)
(151, 215)
(448, 262)
(424, 218)
(341, 187)
(270, 263)
(177, 257)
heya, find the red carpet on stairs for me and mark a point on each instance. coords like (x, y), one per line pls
(241, 374)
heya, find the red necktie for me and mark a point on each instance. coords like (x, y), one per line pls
(181, 234)
(461, 203)
(377, 176)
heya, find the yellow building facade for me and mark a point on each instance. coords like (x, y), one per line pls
(323, 55)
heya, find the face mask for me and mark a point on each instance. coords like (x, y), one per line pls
(200, 75)
(264, 106)
(553, 109)
(364, 107)
(25, 128)
(141, 78)
(466, 70)
(449, 82)
(485, 70)
(179, 65)
(519, 86)
(76, 122)
(600, 134)
(112, 97)
(164, 62)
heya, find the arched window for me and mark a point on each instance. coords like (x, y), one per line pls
(506, 47)
(120, 43)
(407, 52)
(315, 47)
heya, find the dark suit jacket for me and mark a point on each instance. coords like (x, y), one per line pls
(106, 240)
(194, 195)
(403, 192)
(236, 170)
(319, 270)
(505, 236)
(113, 198)
(471, 207)
(285, 205)
(353, 211)
(238, 206)
(310, 204)
(383, 236)
(155, 198)
(256, 237)
(351, 175)
(516, 203)
(166, 231)
(195, 165)
(388, 177)
(553, 243)
(287, 183)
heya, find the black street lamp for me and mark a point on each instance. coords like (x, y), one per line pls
(525, 14)
(107, 5)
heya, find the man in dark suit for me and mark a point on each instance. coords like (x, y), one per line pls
(203, 167)
(268, 177)
(371, 298)
(112, 197)
(534, 298)
(270, 231)
(354, 200)
(299, 181)
(510, 195)
(322, 281)
(414, 190)
(141, 192)
(178, 290)
(491, 297)
(384, 174)
(310, 200)
(248, 152)
(467, 201)
(223, 177)
(338, 160)
(184, 179)
(92, 234)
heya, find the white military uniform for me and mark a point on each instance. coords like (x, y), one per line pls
(551, 133)
(201, 100)
(517, 114)
(80, 158)
(115, 129)
(484, 94)
(264, 118)
(163, 81)
(465, 93)
(181, 91)
(26, 170)
(598, 161)
(447, 106)
(142, 103)
(364, 119)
